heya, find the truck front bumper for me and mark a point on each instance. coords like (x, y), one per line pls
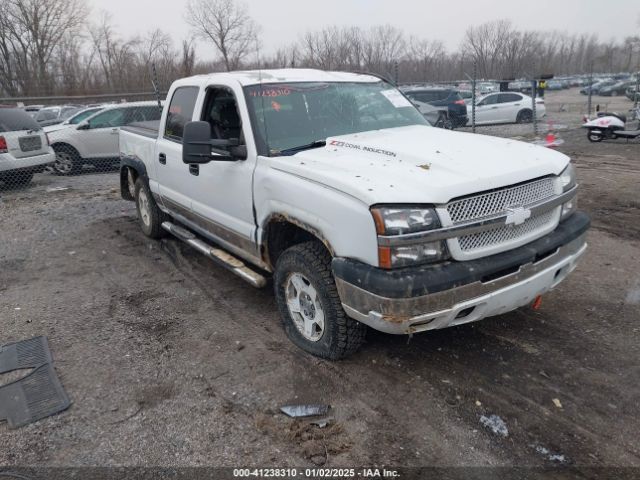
(417, 299)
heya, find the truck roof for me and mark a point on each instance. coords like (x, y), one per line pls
(284, 75)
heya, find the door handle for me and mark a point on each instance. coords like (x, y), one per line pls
(162, 158)
(194, 169)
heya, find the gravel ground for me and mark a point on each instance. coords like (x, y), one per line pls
(172, 361)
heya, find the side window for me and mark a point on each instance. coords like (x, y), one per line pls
(221, 112)
(509, 97)
(109, 119)
(490, 100)
(180, 111)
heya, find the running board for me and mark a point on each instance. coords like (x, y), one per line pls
(219, 256)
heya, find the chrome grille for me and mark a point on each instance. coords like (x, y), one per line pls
(505, 234)
(495, 202)
(498, 202)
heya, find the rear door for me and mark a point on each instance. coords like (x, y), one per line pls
(509, 105)
(173, 178)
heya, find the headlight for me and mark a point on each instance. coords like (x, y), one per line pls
(400, 220)
(568, 178)
(568, 181)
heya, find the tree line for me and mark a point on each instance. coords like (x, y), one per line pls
(51, 47)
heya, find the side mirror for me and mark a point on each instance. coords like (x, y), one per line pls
(198, 147)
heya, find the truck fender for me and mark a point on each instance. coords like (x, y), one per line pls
(131, 168)
(268, 254)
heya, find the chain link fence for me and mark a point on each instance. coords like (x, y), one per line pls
(86, 141)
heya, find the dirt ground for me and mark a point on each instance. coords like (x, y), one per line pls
(172, 361)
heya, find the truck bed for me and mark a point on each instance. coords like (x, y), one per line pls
(138, 141)
(147, 129)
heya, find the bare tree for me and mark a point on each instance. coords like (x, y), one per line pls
(227, 24)
(34, 29)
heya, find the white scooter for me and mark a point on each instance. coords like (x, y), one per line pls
(611, 126)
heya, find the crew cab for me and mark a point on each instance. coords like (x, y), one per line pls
(332, 186)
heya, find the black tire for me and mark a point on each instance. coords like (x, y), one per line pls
(524, 116)
(594, 136)
(341, 336)
(150, 216)
(68, 160)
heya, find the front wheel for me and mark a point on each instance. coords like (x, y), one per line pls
(310, 306)
(595, 136)
(67, 161)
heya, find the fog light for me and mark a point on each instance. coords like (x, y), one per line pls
(569, 208)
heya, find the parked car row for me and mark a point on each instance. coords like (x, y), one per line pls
(92, 139)
(89, 137)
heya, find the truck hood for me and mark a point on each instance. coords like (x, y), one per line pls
(420, 164)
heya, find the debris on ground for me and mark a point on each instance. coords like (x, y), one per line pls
(495, 424)
(556, 402)
(554, 457)
(321, 423)
(298, 411)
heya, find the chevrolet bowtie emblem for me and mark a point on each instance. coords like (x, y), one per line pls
(517, 215)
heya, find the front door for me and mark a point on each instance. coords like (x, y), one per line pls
(100, 139)
(222, 191)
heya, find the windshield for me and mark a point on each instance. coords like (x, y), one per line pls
(291, 115)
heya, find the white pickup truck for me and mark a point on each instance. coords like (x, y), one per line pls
(333, 185)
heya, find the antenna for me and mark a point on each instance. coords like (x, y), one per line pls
(260, 92)
(154, 82)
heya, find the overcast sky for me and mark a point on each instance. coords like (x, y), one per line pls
(284, 21)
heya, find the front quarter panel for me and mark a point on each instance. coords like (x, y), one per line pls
(343, 222)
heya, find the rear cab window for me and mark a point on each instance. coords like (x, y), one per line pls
(15, 120)
(180, 112)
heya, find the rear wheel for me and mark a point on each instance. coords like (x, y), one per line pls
(309, 304)
(524, 116)
(150, 216)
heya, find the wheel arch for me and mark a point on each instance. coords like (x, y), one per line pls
(65, 144)
(131, 168)
(282, 231)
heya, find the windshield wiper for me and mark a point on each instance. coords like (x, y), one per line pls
(308, 146)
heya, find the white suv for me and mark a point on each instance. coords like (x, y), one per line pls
(23, 147)
(94, 141)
